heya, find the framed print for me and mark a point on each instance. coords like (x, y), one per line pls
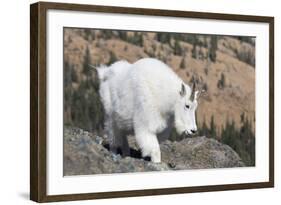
(133, 102)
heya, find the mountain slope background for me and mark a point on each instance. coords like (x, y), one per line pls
(223, 65)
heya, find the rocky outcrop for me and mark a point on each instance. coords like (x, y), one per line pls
(86, 153)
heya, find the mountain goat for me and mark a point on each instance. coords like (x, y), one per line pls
(145, 99)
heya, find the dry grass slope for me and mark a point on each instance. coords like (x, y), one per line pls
(237, 96)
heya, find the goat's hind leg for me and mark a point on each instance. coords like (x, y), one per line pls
(119, 144)
(111, 134)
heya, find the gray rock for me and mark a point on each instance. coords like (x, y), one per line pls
(85, 153)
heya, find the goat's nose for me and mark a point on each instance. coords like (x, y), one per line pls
(193, 131)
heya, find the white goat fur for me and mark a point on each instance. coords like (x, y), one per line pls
(141, 99)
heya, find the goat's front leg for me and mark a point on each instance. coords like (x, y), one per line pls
(149, 146)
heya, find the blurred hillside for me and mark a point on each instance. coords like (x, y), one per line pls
(223, 65)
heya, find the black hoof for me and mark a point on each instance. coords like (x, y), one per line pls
(147, 159)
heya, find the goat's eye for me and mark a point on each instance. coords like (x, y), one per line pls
(187, 106)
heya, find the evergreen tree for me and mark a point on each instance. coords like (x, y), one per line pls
(66, 74)
(194, 48)
(248, 139)
(88, 35)
(123, 35)
(163, 37)
(112, 58)
(74, 77)
(182, 63)
(136, 39)
(67, 91)
(213, 48)
(221, 82)
(242, 141)
(201, 54)
(242, 117)
(213, 133)
(177, 48)
(203, 130)
(107, 34)
(87, 60)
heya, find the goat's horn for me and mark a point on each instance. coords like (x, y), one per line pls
(92, 66)
(192, 96)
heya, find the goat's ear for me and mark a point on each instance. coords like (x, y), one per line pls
(196, 94)
(183, 91)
